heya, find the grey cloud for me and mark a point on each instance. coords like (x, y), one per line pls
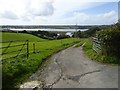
(44, 9)
(9, 15)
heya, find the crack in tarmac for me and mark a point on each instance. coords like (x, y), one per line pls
(61, 74)
(77, 77)
(73, 78)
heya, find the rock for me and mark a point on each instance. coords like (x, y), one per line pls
(33, 85)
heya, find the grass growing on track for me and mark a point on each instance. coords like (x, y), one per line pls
(17, 70)
(98, 57)
(82, 41)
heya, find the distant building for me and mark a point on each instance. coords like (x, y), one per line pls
(69, 34)
(58, 34)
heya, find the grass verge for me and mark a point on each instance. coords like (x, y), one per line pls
(87, 48)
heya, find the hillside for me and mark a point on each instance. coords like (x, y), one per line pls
(19, 36)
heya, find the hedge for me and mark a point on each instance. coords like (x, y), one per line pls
(110, 40)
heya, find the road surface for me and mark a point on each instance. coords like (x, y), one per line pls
(70, 68)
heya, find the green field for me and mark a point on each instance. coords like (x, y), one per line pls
(16, 70)
(19, 36)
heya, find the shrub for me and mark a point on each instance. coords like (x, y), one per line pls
(109, 39)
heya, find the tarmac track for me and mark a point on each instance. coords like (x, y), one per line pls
(70, 68)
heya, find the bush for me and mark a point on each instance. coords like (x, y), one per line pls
(63, 36)
(109, 39)
(98, 57)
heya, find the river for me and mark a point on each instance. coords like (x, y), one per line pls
(71, 30)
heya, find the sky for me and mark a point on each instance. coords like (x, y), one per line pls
(58, 12)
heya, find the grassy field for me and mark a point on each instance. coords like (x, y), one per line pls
(16, 70)
(20, 36)
(17, 36)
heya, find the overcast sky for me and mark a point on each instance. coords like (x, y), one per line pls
(60, 12)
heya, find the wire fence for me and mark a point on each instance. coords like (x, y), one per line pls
(13, 49)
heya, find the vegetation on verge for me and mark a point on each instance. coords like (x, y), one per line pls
(109, 39)
(98, 57)
(109, 43)
(81, 42)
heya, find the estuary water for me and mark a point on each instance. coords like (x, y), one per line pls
(71, 30)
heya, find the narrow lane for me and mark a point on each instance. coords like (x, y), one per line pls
(70, 68)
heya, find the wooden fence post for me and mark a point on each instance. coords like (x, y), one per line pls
(27, 48)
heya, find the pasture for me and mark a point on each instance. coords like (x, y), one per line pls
(19, 36)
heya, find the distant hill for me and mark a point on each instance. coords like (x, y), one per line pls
(49, 26)
(20, 36)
